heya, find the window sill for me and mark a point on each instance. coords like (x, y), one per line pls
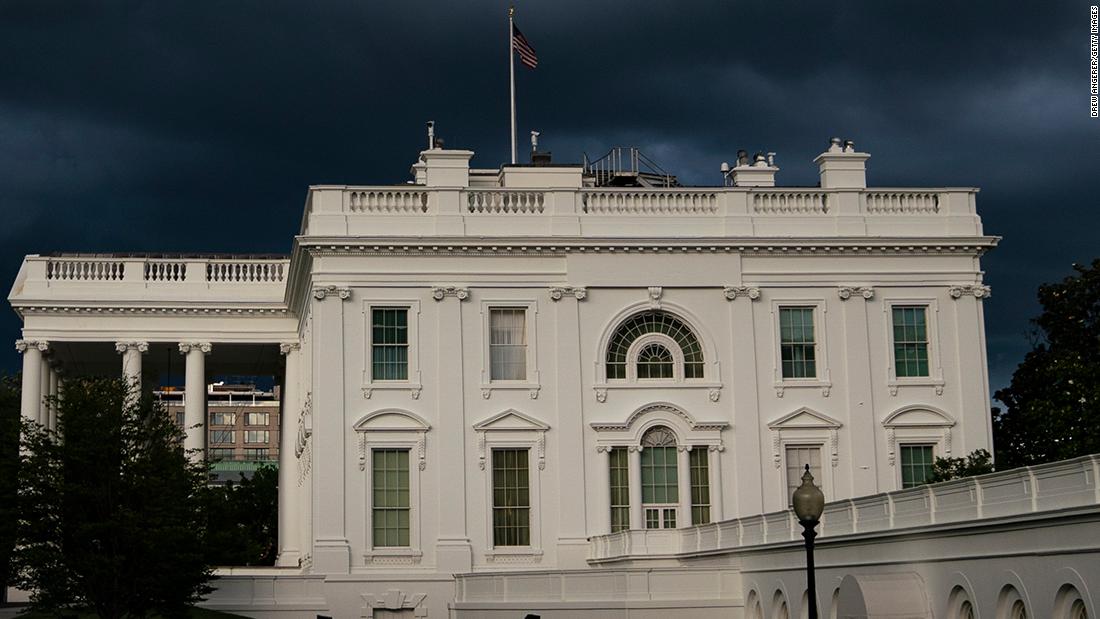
(795, 383)
(392, 556)
(487, 389)
(922, 381)
(516, 554)
(714, 389)
(414, 389)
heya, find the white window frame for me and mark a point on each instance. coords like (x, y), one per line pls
(935, 365)
(512, 429)
(823, 380)
(392, 429)
(532, 383)
(413, 383)
(934, 443)
(672, 347)
(825, 483)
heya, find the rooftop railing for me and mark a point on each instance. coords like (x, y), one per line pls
(1017, 492)
(242, 271)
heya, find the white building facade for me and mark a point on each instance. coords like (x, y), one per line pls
(483, 369)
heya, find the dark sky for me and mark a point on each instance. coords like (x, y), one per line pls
(197, 126)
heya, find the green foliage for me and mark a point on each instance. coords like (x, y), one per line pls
(1052, 407)
(242, 520)
(979, 462)
(109, 508)
(9, 464)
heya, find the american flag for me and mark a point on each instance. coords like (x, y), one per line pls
(526, 53)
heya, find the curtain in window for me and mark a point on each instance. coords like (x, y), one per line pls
(508, 344)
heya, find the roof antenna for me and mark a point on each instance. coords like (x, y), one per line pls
(431, 134)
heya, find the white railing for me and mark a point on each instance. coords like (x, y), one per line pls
(238, 271)
(505, 202)
(1027, 490)
(902, 203)
(642, 202)
(165, 271)
(388, 201)
(789, 203)
(85, 269)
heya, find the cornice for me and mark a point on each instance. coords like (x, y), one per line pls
(126, 310)
(534, 246)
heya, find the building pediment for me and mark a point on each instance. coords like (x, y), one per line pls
(391, 420)
(511, 419)
(918, 416)
(804, 418)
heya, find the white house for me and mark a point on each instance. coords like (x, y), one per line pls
(485, 368)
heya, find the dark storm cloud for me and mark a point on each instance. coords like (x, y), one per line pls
(184, 126)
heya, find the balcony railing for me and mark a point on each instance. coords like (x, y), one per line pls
(243, 271)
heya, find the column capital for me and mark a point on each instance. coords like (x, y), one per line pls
(287, 347)
(732, 292)
(332, 290)
(847, 292)
(24, 345)
(142, 347)
(458, 292)
(978, 291)
(204, 347)
(577, 292)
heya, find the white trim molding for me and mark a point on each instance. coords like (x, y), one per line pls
(412, 383)
(532, 383)
(823, 380)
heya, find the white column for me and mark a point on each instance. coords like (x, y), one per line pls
(453, 551)
(714, 472)
(44, 391)
(52, 424)
(572, 522)
(683, 474)
(32, 376)
(636, 515)
(194, 397)
(289, 553)
(603, 489)
(331, 548)
(131, 364)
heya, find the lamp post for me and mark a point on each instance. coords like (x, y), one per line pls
(809, 502)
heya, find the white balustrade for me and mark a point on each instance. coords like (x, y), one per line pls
(84, 269)
(505, 202)
(388, 201)
(245, 271)
(165, 270)
(789, 203)
(902, 203)
(641, 202)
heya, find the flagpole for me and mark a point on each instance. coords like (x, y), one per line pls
(512, 74)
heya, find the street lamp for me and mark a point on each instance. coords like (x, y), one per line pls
(809, 502)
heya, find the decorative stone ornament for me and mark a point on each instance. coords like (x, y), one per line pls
(286, 347)
(750, 292)
(23, 345)
(322, 292)
(142, 347)
(846, 292)
(655, 293)
(557, 292)
(204, 347)
(978, 291)
(439, 292)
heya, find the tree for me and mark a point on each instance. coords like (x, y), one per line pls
(979, 462)
(1052, 406)
(9, 464)
(110, 508)
(242, 520)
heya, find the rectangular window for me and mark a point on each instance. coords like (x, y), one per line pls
(220, 454)
(796, 342)
(257, 419)
(700, 485)
(508, 343)
(620, 489)
(180, 419)
(256, 436)
(916, 465)
(223, 436)
(798, 456)
(390, 497)
(257, 453)
(910, 341)
(511, 498)
(390, 343)
(223, 419)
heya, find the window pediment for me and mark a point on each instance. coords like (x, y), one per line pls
(804, 418)
(391, 420)
(918, 416)
(511, 419)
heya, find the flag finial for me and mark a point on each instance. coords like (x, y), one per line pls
(511, 10)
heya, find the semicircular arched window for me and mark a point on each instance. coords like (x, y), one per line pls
(653, 359)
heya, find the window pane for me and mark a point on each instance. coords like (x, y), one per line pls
(508, 343)
(797, 459)
(916, 465)
(390, 497)
(620, 489)
(511, 498)
(659, 478)
(653, 322)
(389, 344)
(700, 485)
(910, 341)
(796, 342)
(655, 361)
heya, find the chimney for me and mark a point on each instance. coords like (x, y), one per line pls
(758, 171)
(841, 167)
(443, 168)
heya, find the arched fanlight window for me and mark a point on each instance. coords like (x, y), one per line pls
(654, 322)
(654, 361)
